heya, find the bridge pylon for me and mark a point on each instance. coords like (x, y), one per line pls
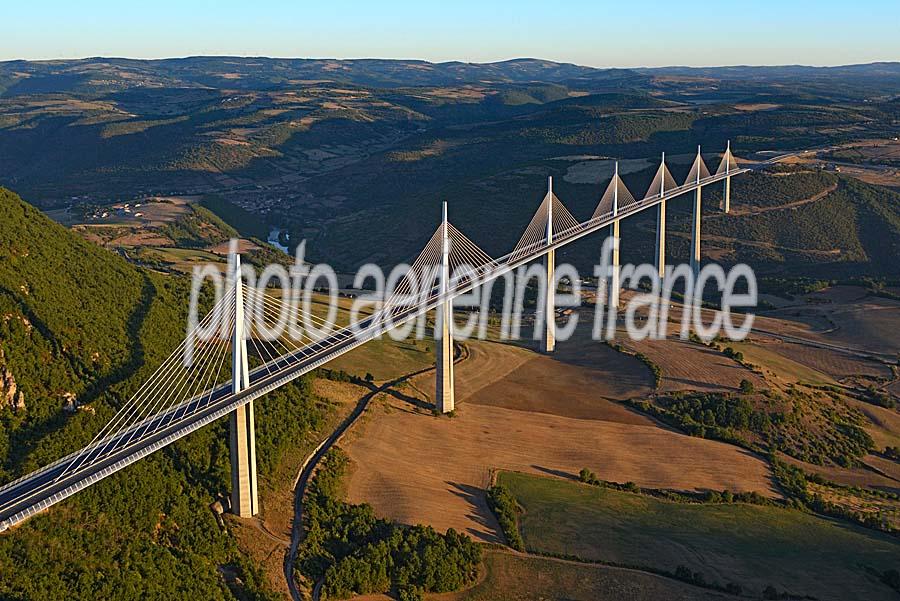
(548, 339)
(244, 497)
(445, 393)
(695, 216)
(614, 284)
(727, 165)
(659, 256)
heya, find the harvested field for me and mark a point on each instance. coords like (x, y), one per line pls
(858, 476)
(386, 359)
(837, 294)
(777, 367)
(514, 378)
(244, 246)
(833, 363)
(487, 362)
(870, 325)
(894, 388)
(417, 468)
(141, 238)
(889, 468)
(687, 365)
(842, 315)
(885, 428)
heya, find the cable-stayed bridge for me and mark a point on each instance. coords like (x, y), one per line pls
(182, 396)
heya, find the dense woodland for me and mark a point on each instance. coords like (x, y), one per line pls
(89, 323)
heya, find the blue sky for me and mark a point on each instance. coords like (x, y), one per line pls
(624, 33)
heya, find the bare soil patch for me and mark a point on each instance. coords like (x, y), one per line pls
(244, 246)
(757, 106)
(141, 238)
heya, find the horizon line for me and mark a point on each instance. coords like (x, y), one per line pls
(446, 62)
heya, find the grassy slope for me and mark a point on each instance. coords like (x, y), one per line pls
(751, 545)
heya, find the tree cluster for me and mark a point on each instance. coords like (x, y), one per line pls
(353, 552)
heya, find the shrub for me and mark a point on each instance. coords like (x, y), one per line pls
(410, 593)
(588, 477)
(503, 504)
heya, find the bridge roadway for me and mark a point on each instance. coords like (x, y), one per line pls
(35, 492)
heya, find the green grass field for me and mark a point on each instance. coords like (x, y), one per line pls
(515, 578)
(386, 359)
(750, 545)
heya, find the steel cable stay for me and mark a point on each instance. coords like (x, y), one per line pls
(133, 411)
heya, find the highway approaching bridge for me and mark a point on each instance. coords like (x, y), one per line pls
(178, 398)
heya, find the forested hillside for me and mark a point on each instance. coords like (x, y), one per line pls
(78, 320)
(833, 226)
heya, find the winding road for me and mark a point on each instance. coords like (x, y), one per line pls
(308, 467)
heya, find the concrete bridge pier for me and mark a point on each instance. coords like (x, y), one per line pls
(548, 339)
(444, 394)
(726, 196)
(660, 255)
(612, 293)
(698, 169)
(244, 497)
(695, 234)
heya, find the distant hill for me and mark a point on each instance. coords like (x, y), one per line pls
(95, 130)
(849, 229)
(805, 224)
(355, 156)
(108, 74)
